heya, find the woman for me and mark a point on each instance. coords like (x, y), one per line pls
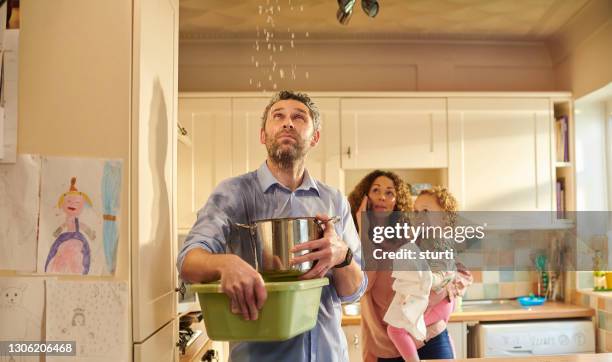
(386, 192)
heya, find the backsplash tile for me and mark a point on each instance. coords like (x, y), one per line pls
(491, 291)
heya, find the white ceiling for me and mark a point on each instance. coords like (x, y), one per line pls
(397, 19)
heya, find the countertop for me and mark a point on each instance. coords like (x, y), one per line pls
(595, 357)
(549, 310)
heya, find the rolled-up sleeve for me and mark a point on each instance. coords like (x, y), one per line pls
(211, 228)
(351, 237)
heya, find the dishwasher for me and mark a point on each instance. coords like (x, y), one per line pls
(534, 338)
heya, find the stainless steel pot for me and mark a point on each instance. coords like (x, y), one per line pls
(272, 240)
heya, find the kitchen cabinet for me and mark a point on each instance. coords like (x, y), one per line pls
(208, 160)
(457, 331)
(161, 347)
(353, 341)
(394, 133)
(153, 181)
(99, 79)
(500, 153)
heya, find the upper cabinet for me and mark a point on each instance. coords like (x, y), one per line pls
(394, 133)
(207, 161)
(500, 153)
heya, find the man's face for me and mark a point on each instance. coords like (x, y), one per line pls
(289, 132)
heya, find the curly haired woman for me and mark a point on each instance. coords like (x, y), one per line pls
(384, 191)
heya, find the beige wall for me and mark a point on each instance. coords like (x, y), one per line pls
(582, 50)
(74, 86)
(372, 66)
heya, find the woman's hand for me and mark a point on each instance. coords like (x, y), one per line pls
(362, 208)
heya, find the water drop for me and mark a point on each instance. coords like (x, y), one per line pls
(278, 8)
(274, 86)
(307, 34)
(269, 46)
(273, 66)
(281, 72)
(280, 48)
(270, 77)
(256, 64)
(260, 9)
(307, 75)
(250, 80)
(259, 84)
(292, 35)
(301, 7)
(274, 48)
(292, 44)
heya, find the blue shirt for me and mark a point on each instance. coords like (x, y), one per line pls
(258, 195)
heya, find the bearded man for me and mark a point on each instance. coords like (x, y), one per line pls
(281, 187)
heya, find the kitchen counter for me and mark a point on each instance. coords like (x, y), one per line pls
(596, 357)
(549, 310)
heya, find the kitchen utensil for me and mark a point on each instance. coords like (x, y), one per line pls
(272, 240)
(531, 300)
(290, 309)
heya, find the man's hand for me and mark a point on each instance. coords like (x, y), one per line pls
(327, 251)
(245, 288)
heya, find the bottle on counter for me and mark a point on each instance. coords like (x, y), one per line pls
(599, 276)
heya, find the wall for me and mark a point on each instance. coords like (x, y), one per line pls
(591, 165)
(582, 50)
(371, 66)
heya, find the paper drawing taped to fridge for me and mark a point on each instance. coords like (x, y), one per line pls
(79, 216)
(21, 313)
(70, 253)
(15, 313)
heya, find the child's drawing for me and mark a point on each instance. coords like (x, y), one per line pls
(19, 207)
(70, 253)
(94, 314)
(78, 216)
(111, 189)
(21, 312)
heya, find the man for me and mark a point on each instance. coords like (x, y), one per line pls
(281, 187)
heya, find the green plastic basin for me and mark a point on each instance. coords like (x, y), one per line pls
(291, 309)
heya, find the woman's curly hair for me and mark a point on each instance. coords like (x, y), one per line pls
(403, 200)
(446, 200)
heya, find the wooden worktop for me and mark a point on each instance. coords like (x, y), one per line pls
(549, 310)
(596, 357)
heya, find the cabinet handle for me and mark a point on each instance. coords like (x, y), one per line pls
(348, 152)
(356, 340)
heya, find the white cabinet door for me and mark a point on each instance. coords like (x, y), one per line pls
(323, 162)
(353, 341)
(160, 347)
(394, 133)
(457, 331)
(500, 153)
(153, 166)
(208, 161)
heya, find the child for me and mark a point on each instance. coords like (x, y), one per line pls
(407, 316)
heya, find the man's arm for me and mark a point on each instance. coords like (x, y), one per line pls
(203, 257)
(243, 285)
(350, 282)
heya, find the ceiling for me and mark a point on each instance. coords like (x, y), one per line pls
(398, 19)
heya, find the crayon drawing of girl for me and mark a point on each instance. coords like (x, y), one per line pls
(70, 253)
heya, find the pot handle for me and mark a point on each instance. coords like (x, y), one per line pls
(333, 220)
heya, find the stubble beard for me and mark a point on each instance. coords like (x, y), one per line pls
(286, 156)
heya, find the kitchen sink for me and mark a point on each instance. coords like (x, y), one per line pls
(488, 305)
